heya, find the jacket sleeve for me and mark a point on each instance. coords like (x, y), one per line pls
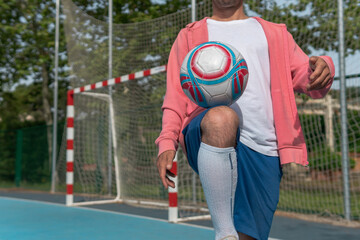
(175, 101)
(301, 71)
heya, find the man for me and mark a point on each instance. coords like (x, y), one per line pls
(238, 150)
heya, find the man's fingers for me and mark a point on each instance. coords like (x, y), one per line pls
(161, 165)
(321, 73)
(169, 163)
(162, 174)
(315, 84)
(165, 179)
(167, 182)
(312, 62)
(164, 165)
(320, 82)
(170, 159)
(170, 183)
(169, 173)
(319, 69)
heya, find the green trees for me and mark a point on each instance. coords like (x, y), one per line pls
(27, 34)
(321, 23)
(27, 45)
(130, 11)
(314, 24)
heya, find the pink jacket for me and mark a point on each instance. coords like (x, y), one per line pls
(289, 72)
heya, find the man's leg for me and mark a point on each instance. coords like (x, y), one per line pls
(200, 129)
(244, 237)
(217, 165)
(257, 192)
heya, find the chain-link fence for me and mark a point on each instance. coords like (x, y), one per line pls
(315, 190)
(24, 158)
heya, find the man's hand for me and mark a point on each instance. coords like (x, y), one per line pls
(164, 164)
(321, 74)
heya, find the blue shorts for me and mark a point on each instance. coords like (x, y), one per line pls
(257, 191)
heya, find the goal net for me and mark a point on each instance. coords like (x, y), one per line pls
(109, 153)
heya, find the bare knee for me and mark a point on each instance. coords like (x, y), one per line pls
(219, 127)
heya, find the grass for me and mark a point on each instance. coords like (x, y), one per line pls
(26, 185)
(327, 204)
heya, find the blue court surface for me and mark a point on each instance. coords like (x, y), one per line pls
(44, 216)
(27, 219)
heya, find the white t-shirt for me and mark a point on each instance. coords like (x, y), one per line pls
(254, 107)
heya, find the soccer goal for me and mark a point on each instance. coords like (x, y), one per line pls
(110, 155)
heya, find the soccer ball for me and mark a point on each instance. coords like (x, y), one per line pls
(213, 74)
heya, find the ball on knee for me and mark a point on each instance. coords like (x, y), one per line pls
(219, 127)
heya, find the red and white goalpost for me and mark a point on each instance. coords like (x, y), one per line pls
(70, 131)
(78, 154)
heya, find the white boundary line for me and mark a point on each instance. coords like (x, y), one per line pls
(101, 210)
(111, 212)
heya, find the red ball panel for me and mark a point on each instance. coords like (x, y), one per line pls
(214, 75)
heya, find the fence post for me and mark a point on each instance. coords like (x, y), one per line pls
(19, 143)
(55, 115)
(343, 105)
(193, 10)
(329, 126)
(193, 19)
(110, 145)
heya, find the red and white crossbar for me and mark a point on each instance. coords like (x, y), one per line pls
(70, 122)
(124, 78)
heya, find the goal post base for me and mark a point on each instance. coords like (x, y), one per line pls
(96, 202)
(194, 218)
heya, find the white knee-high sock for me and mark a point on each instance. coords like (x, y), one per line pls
(218, 175)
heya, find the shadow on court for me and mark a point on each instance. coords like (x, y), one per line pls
(23, 219)
(29, 219)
